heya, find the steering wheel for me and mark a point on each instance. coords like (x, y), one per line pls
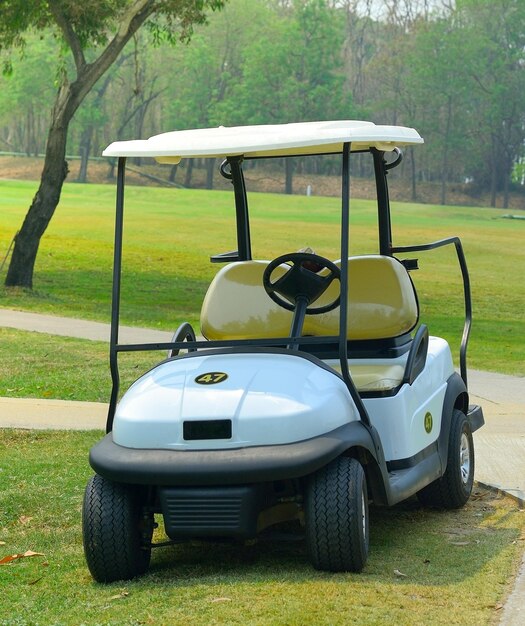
(300, 282)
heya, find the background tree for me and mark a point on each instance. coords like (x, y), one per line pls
(439, 87)
(94, 33)
(494, 59)
(455, 71)
(200, 94)
(26, 95)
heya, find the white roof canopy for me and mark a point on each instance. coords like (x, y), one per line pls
(266, 140)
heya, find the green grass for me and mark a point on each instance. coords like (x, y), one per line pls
(170, 234)
(36, 365)
(458, 564)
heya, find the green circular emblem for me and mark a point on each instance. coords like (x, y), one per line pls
(428, 422)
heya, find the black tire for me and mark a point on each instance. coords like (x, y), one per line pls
(453, 489)
(336, 517)
(116, 537)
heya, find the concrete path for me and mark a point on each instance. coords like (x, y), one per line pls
(82, 329)
(500, 444)
(52, 414)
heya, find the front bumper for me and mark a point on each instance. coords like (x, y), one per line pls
(224, 467)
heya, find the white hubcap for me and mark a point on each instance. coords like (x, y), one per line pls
(363, 512)
(464, 458)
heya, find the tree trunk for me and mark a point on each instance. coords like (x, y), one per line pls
(210, 169)
(20, 273)
(111, 169)
(493, 186)
(69, 98)
(173, 173)
(506, 193)
(85, 149)
(288, 187)
(493, 175)
(189, 172)
(413, 174)
(444, 163)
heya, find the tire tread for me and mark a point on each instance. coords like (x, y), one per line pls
(110, 528)
(333, 529)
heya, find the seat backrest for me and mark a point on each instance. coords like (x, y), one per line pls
(381, 303)
(236, 306)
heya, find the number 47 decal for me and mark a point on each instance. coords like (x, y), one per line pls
(211, 378)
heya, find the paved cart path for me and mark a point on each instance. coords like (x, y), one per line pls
(500, 444)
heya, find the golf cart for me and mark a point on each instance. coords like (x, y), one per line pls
(313, 391)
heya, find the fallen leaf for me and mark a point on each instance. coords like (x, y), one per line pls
(119, 596)
(34, 582)
(221, 600)
(8, 559)
(2, 543)
(24, 519)
(426, 561)
(400, 574)
(14, 557)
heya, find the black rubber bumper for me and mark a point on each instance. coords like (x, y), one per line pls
(224, 467)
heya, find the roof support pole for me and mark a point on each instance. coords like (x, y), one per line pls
(343, 319)
(383, 203)
(345, 234)
(115, 300)
(244, 245)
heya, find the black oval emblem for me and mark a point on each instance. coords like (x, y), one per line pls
(211, 378)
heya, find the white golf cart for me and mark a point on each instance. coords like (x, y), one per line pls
(313, 393)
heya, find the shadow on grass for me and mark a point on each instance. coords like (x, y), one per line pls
(430, 547)
(43, 478)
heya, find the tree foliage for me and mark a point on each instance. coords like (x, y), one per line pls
(94, 34)
(456, 72)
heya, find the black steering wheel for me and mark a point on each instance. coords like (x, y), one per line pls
(300, 282)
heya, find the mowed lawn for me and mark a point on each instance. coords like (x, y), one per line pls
(425, 566)
(171, 233)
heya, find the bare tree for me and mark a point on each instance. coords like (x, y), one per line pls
(103, 27)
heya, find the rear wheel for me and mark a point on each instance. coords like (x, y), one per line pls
(453, 489)
(116, 531)
(336, 517)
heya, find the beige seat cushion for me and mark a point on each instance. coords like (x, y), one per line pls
(377, 377)
(381, 303)
(236, 306)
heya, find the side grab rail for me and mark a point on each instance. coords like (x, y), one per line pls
(466, 290)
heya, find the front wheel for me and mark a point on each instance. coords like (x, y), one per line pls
(116, 530)
(336, 517)
(453, 489)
